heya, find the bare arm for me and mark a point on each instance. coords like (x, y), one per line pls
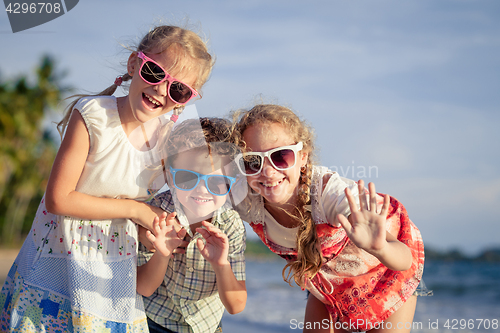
(232, 292)
(61, 197)
(395, 255)
(366, 229)
(151, 274)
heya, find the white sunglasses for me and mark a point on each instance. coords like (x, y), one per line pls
(281, 158)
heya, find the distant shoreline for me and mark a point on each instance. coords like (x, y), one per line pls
(256, 249)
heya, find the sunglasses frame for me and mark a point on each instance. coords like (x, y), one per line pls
(202, 177)
(169, 78)
(295, 148)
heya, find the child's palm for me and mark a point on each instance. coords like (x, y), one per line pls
(367, 230)
(365, 227)
(165, 238)
(216, 246)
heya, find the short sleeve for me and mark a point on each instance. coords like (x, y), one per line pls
(333, 198)
(101, 118)
(143, 255)
(163, 200)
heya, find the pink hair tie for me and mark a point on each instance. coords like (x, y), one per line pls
(118, 81)
(174, 117)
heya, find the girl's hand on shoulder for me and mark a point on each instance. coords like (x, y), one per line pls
(165, 237)
(215, 249)
(365, 227)
(145, 214)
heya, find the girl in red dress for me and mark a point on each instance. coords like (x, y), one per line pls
(354, 250)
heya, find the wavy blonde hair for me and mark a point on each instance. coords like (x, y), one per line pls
(190, 53)
(309, 257)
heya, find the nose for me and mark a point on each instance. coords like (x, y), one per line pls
(267, 168)
(201, 187)
(162, 88)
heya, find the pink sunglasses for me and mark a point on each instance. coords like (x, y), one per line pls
(152, 73)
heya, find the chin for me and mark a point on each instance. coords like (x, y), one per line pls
(202, 215)
(277, 196)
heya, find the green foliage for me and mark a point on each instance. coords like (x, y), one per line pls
(257, 249)
(26, 151)
(487, 255)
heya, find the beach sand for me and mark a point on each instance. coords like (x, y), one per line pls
(7, 257)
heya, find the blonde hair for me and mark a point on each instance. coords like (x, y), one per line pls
(190, 54)
(187, 136)
(216, 134)
(309, 257)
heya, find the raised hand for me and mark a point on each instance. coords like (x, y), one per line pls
(166, 238)
(215, 249)
(365, 227)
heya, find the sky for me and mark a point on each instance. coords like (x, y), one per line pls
(401, 93)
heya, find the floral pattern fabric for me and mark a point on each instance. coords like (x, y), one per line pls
(75, 275)
(353, 284)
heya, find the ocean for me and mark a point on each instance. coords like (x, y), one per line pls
(466, 298)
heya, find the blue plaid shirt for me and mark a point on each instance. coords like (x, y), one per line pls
(188, 299)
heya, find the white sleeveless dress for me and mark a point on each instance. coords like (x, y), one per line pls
(75, 275)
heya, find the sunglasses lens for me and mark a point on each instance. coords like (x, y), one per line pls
(179, 92)
(219, 185)
(252, 164)
(283, 159)
(152, 73)
(185, 180)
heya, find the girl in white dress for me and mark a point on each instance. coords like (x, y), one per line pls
(76, 270)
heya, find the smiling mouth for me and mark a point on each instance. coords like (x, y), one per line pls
(151, 102)
(201, 200)
(272, 184)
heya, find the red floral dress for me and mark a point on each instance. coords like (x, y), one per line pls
(357, 289)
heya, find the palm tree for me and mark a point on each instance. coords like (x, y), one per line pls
(26, 150)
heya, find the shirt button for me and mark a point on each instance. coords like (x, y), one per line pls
(190, 269)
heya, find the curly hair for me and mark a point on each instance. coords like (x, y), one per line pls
(309, 257)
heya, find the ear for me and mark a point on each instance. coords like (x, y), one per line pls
(132, 63)
(304, 156)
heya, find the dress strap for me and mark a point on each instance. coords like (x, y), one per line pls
(323, 283)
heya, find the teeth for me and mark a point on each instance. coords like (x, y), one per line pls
(202, 200)
(154, 101)
(272, 184)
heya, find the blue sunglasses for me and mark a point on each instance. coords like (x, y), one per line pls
(186, 180)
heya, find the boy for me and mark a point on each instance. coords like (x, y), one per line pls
(197, 271)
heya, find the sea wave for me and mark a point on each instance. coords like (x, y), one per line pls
(463, 292)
